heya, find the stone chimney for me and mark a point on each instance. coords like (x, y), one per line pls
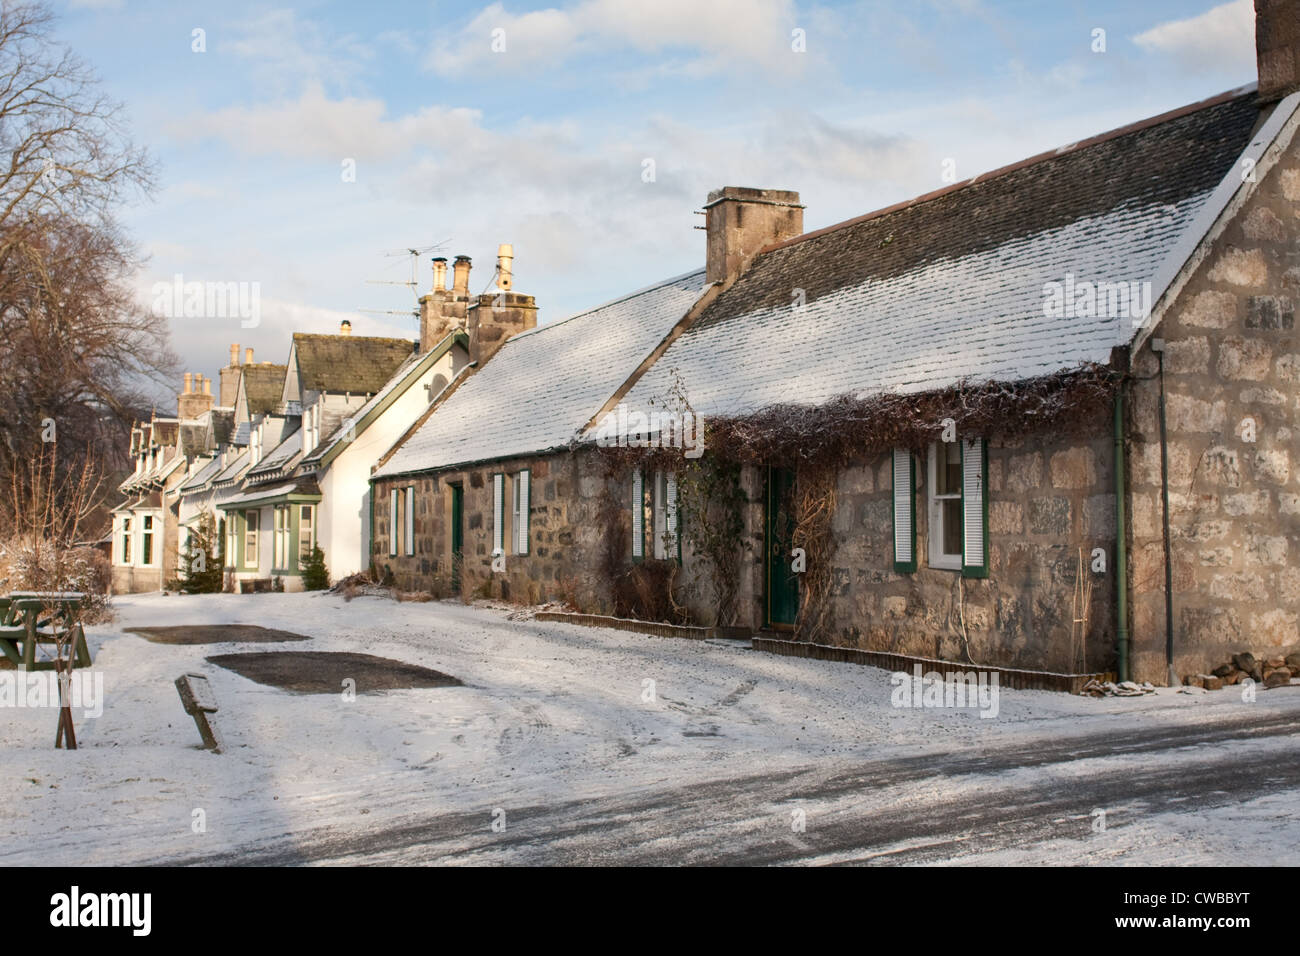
(740, 221)
(494, 317)
(1277, 48)
(192, 402)
(443, 310)
(229, 376)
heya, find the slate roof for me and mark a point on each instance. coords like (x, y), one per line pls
(193, 439)
(951, 285)
(234, 470)
(222, 423)
(200, 478)
(407, 373)
(263, 385)
(248, 496)
(540, 389)
(284, 455)
(360, 365)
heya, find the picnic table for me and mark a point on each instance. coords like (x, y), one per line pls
(29, 618)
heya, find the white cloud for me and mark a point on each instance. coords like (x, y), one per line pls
(721, 34)
(287, 53)
(1221, 39)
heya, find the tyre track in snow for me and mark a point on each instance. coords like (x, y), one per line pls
(922, 809)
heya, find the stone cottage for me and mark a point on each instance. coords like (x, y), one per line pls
(1069, 387)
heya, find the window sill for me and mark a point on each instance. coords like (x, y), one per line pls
(945, 562)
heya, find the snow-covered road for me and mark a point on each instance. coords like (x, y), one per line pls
(608, 745)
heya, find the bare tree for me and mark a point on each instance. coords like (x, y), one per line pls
(69, 153)
(48, 512)
(78, 350)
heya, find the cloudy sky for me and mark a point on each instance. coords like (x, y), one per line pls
(586, 133)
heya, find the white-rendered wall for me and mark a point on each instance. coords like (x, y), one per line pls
(345, 488)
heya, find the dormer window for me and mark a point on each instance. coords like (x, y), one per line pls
(311, 428)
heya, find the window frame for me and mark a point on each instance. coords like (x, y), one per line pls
(935, 555)
(147, 550)
(306, 522)
(520, 532)
(252, 519)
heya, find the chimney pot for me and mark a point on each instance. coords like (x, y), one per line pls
(505, 266)
(248, 356)
(440, 274)
(460, 275)
(345, 327)
(234, 354)
(189, 378)
(207, 387)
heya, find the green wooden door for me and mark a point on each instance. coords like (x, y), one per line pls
(782, 581)
(457, 534)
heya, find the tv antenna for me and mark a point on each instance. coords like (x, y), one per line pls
(412, 283)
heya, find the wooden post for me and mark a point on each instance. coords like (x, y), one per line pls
(199, 701)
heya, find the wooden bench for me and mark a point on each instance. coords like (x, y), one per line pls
(29, 618)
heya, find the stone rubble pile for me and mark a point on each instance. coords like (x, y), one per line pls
(1270, 671)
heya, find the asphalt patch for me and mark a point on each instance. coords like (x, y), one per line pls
(323, 672)
(215, 634)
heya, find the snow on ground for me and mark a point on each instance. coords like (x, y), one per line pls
(548, 712)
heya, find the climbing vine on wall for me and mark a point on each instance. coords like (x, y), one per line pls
(818, 442)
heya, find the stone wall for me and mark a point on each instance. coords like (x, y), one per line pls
(1049, 500)
(1232, 366)
(566, 532)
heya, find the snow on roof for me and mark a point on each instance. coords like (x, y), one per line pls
(280, 457)
(952, 286)
(234, 470)
(414, 366)
(540, 389)
(201, 477)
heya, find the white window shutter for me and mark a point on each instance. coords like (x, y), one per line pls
(392, 522)
(410, 519)
(498, 513)
(974, 508)
(638, 515)
(673, 548)
(904, 512)
(521, 526)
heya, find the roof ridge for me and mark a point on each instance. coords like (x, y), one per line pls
(352, 338)
(1115, 133)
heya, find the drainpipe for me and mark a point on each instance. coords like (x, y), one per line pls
(1158, 346)
(1121, 544)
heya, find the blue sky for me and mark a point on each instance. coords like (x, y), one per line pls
(544, 143)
